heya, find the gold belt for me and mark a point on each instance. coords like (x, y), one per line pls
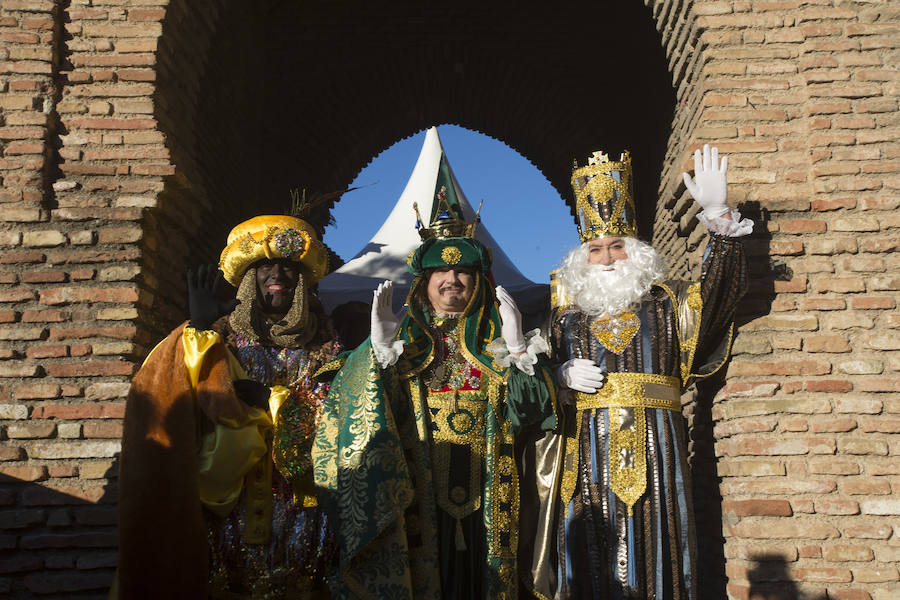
(630, 393)
(640, 390)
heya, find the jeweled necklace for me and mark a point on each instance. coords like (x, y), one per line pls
(452, 371)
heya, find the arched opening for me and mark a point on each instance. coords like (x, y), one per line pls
(256, 101)
(533, 225)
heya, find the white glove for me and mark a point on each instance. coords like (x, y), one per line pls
(581, 375)
(709, 187)
(511, 319)
(385, 323)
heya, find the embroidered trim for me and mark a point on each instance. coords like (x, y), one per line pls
(332, 365)
(625, 396)
(639, 390)
(457, 422)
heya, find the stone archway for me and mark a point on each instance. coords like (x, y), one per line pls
(165, 125)
(255, 102)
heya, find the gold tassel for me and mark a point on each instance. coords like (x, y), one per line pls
(460, 538)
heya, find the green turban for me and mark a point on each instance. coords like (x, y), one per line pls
(438, 253)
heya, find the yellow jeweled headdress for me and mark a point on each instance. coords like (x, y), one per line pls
(604, 201)
(273, 236)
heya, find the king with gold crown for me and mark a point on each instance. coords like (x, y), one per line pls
(216, 495)
(629, 341)
(420, 437)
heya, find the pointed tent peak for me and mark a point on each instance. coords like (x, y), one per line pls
(447, 203)
(432, 139)
(397, 236)
(431, 171)
(385, 254)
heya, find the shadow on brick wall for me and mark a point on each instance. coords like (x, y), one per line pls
(53, 169)
(707, 496)
(58, 541)
(770, 579)
(764, 273)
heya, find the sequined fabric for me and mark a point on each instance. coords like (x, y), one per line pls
(605, 552)
(293, 564)
(295, 560)
(296, 421)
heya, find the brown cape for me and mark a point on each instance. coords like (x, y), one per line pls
(163, 551)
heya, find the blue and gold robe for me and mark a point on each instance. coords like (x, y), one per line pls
(625, 521)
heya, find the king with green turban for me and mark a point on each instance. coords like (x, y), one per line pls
(418, 450)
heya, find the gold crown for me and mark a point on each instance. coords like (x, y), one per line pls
(603, 198)
(448, 221)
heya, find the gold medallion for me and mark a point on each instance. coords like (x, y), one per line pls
(451, 255)
(615, 333)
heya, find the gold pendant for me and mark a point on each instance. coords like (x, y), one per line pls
(615, 333)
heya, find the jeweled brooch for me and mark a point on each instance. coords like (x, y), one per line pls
(615, 333)
(288, 242)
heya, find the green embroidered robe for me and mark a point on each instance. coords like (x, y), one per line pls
(411, 483)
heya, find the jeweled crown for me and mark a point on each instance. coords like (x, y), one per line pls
(604, 202)
(446, 213)
(447, 222)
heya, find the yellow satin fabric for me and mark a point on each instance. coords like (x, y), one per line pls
(277, 395)
(196, 344)
(233, 448)
(227, 454)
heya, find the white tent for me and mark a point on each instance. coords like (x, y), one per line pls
(384, 257)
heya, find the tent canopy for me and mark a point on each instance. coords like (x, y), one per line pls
(384, 256)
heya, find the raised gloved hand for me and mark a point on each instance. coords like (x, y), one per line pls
(203, 285)
(708, 186)
(581, 375)
(385, 323)
(511, 319)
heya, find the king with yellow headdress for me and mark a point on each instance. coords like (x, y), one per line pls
(216, 490)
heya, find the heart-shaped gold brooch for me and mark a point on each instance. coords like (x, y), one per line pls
(616, 332)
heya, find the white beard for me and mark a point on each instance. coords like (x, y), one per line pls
(611, 289)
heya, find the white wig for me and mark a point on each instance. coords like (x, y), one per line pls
(612, 289)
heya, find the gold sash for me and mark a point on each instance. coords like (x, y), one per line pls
(625, 395)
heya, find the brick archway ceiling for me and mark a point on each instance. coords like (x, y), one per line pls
(322, 88)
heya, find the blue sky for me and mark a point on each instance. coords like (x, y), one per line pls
(521, 210)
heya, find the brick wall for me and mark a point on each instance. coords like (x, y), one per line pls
(795, 457)
(134, 133)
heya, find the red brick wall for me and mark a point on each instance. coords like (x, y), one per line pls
(803, 96)
(133, 134)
